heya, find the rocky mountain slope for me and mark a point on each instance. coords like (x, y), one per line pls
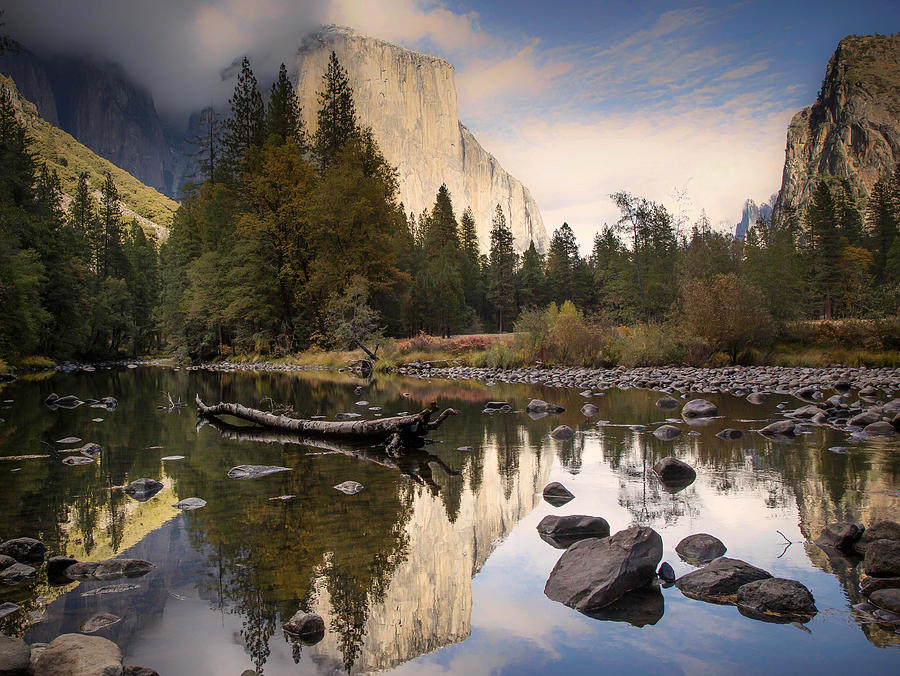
(852, 131)
(97, 103)
(62, 153)
(409, 100)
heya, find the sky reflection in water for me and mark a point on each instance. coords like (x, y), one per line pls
(428, 573)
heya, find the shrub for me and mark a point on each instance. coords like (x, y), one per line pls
(36, 363)
(560, 336)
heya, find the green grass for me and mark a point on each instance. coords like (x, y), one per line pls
(62, 153)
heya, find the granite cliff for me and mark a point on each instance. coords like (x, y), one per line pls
(750, 214)
(852, 131)
(409, 101)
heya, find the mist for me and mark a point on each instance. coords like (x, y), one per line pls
(181, 51)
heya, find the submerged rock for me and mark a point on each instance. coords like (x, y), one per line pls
(887, 599)
(639, 608)
(882, 428)
(56, 567)
(779, 427)
(557, 494)
(72, 654)
(562, 433)
(75, 460)
(90, 450)
(595, 572)
(757, 398)
(562, 531)
(98, 622)
(777, 595)
(667, 403)
(189, 504)
(254, 471)
(349, 487)
(699, 408)
(541, 406)
(24, 549)
(666, 432)
(110, 569)
(719, 579)
(143, 489)
(112, 589)
(589, 410)
(7, 608)
(308, 627)
(66, 441)
(700, 548)
(730, 434)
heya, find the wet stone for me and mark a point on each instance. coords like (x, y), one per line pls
(308, 627)
(887, 599)
(666, 573)
(562, 433)
(17, 573)
(667, 432)
(110, 569)
(777, 595)
(673, 471)
(562, 531)
(719, 579)
(699, 408)
(349, 487)
(557, 494)
(15, 655)
(99, 621)
(667, 403)
(883, 558)
(24, 549)
(7, 609)
(730, 434)
(143, 489)
(189, 504)
(254, 471)
(700, 548)
(75, 460)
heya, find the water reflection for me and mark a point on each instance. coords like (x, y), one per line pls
(390, 569)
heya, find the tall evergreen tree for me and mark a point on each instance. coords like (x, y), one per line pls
(562, 261)
(336, 118)
(245, 128)
(283, 113)
(110, 254)
(531, 282)
(882, 221)
(207, 144)
(825, 247)
(502, 269)
(473, 290)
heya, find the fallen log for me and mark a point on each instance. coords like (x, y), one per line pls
(413, 462)
(402, 426)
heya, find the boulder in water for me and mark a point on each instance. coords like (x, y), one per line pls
(779, 596)
(674, 472)
(254, 471)
(189, 504)
(541, 406)
(143, 489)
(666, 432)
(700, 548)
(593, 573)
(24, 549)
(15, 655)
(557, 494)
(79, 654)
(562, 531)
(719, 579)
(883, 558)
(562, 433)
(699, 408)
(349, 487)
(99, 621)
(308, 627)
(109, 569)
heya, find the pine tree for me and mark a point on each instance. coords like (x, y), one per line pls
(336, 118)
(245, 129)
(822, 225)
(531, 282)
(283, 113)
(882, 222)
(502, 268)
(208, 146)
(471, 270)
(562, 260)
(110, 255)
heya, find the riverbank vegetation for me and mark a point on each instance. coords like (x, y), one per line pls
(294, 246)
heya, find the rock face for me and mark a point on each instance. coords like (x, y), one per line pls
(852, 131)
(749, 215)
(594, 573)
(409, 100)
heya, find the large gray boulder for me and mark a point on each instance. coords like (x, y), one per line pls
(719, 579)
(79, 655)
(882, 428)
(143, 489)
(562, 433)
(777, 595)
(883, 558)
(700, 548)
(864, 418)
(595, 572)
(25, 550)
(15, 656)
(110, 569)
(779, 427)
(562, 531)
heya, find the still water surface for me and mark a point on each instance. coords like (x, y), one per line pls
(425, 571)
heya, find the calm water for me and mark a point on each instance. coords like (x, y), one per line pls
(423, 571)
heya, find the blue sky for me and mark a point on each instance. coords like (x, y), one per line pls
(686, 103)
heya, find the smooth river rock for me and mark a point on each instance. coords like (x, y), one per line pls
(189, 504)
(595, 572)
(667, 432)
(779, 427)
(99, 621)
(143, 489)
(888, 599)
(667, 403)
(883, 558)
(26, 550)
(700, 548)
(699, 408)
(589, 410)
(349, 487)
(777, 595)
(541, 406)
(562, 531)
(562, 433)
(17, 573)
(309, 627)
(841, 535)
(719, 579)
(6, 561)
(674, 472)
(79, 655)
(557, 494)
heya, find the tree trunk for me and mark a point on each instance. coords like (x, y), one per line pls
(417, 425)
